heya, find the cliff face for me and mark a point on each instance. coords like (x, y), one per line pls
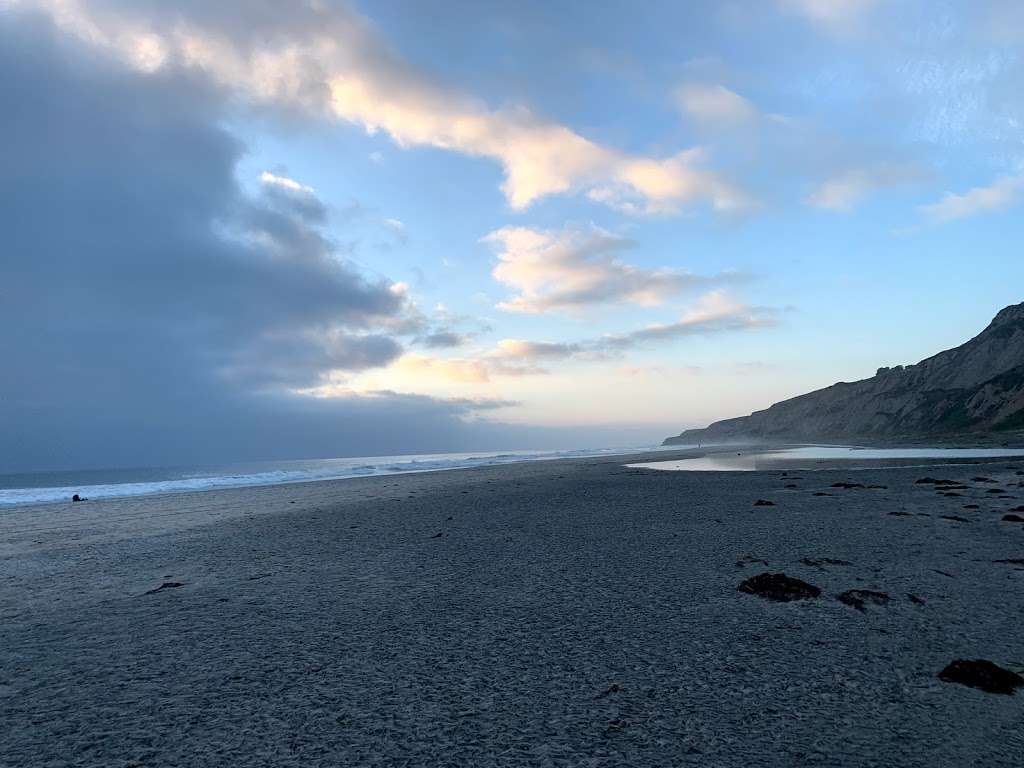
(976, 387)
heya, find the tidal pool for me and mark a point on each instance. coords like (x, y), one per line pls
(753, 460)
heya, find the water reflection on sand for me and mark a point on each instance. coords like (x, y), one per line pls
(752, 460)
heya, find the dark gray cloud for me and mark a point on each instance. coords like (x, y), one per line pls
(155, 313)
(443, 339)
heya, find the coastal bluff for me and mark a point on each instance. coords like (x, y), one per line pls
(974, 390)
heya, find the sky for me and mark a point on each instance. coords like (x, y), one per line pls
(254, 229)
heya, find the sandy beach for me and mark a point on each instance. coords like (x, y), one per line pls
(556, 613)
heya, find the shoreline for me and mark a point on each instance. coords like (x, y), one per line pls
(664, 453)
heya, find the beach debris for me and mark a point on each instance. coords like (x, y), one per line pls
(165, 585)
(764, 503)
(847, 485)
(957, 518)
(1012, 519)
(858, 598)
(982, 674)
(778, 587)
(615, 726)
(915, 599)
(613, 688)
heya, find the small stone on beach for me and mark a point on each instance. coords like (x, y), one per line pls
(165, 585)
(778, 587)
(982, 674)
(857, 598)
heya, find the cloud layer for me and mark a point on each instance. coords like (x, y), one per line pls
(155, 313)
(579, 267)
(326, 59)
(1001, 194)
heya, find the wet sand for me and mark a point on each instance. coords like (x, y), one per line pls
(575, 613)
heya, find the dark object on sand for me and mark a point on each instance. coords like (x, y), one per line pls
(613, 688)
(982, 674)
(76, 497)
(778, 587)
(165, 585)
(764, 503)
(857, 598)
(1013, 519)
(847, 485)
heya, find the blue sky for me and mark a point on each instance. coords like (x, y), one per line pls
(607, 214)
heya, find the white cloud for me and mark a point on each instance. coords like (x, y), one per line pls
(846, 190)
(327, 59)
(839, 15)
(1000, 194)
(715, 105)
(269, 179)
(578, 267)
(714, 312)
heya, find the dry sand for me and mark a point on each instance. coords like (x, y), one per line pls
(571, 613)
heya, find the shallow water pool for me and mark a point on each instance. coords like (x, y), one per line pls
(750, 461)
